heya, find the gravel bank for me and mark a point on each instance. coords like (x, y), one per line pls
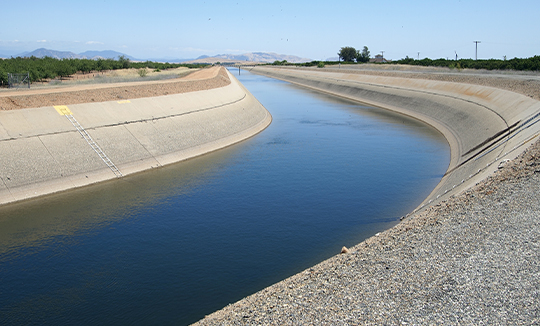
(472, 259)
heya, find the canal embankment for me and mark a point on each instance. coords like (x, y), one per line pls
(58, 147)
(468, 255)
(483, 125)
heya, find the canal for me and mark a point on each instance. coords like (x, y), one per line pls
(171, 245)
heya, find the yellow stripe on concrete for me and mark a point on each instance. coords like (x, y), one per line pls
(63, 110)
(124, 101)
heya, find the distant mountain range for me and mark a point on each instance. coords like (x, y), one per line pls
(246, 57)
(41, 53)
(249, 57)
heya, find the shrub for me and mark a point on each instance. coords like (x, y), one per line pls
(143, 72)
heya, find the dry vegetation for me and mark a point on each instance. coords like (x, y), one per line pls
(75, 91)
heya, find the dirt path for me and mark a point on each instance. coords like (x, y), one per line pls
(32, 98)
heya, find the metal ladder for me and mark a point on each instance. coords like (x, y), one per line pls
(94, 146)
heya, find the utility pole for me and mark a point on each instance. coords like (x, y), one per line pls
(476, 55)
(382, 55)
(418, 55)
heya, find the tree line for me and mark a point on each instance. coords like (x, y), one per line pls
(350, 55)
(530, 64)
(48, 68)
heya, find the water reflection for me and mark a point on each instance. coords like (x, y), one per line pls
(33, 222)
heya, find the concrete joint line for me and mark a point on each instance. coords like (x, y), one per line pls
(48, 151)
(171, 115)
(5, 185)
(32, 136)
(498, 158)
(132, 121)
(146, 149)
(94, 145)
(494, 139)
(522, 127)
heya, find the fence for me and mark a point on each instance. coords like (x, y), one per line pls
(15, 80)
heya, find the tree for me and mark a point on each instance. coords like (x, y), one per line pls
(124, 62)
(85, 65)
(347, 53)
(65, 68)
(363, 56)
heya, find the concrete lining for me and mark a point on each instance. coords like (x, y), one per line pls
(483, 125)
(43, 153)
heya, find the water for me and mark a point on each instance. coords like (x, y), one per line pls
(171, 245)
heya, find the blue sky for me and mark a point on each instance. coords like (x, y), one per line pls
(310, 29)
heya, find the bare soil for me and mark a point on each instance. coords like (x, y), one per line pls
(199, 80)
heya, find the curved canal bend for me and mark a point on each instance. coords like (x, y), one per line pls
(171, 245)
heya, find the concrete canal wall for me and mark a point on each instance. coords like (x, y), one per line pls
(484, 126)
(43, 152)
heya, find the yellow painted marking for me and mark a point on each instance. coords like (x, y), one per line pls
(63, 110)
(124, 101)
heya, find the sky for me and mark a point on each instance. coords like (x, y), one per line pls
(310, 29)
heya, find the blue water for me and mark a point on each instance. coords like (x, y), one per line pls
(171, 245)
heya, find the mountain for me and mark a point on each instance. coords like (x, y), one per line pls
(253, 57)
(40, 53)
(264, 57)
(108, 54)
(167, 59)
(250, 57)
